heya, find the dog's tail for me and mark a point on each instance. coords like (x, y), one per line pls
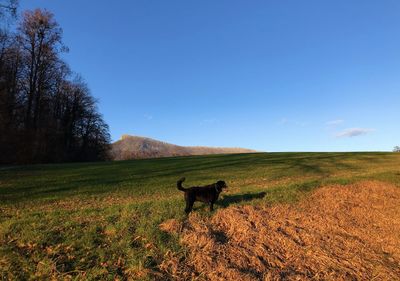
(179, 184)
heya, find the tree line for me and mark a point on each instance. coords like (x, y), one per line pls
(47, 113)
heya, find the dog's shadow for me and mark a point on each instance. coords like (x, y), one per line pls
(238, 198)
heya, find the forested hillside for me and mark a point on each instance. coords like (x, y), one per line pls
(134, 147)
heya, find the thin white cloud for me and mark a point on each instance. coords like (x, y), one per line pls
(148, 116)
(208, 121)
(335, 122)
(283, 121)
(353, 132)
(301, 124)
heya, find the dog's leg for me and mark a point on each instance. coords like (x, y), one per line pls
(211, 206)
(189, 206)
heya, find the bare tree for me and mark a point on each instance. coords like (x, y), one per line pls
(45, 116)
(8, 10)
(396, 149)
(10, 97)
(40, 39)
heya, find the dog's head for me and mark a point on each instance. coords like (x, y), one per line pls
(221, 185)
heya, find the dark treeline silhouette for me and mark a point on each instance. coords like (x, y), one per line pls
(47, 114)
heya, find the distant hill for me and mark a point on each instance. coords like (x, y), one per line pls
(134, 147)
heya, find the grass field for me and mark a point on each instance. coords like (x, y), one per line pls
(101, 220)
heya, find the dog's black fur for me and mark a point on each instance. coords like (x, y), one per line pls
(207, 194)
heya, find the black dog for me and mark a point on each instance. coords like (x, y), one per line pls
(207, 194)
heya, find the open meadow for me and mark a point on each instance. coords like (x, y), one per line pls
(116, 117)
(102, 220)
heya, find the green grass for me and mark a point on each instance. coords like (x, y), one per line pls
(100, 220)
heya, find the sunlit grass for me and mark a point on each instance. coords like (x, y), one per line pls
(100, 220)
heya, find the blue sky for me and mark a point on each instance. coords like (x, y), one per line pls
(269, 75)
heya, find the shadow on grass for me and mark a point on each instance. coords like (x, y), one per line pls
(238, 198)
(228, 200)
(25, 183)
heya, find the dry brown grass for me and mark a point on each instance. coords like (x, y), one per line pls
(347, 232)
